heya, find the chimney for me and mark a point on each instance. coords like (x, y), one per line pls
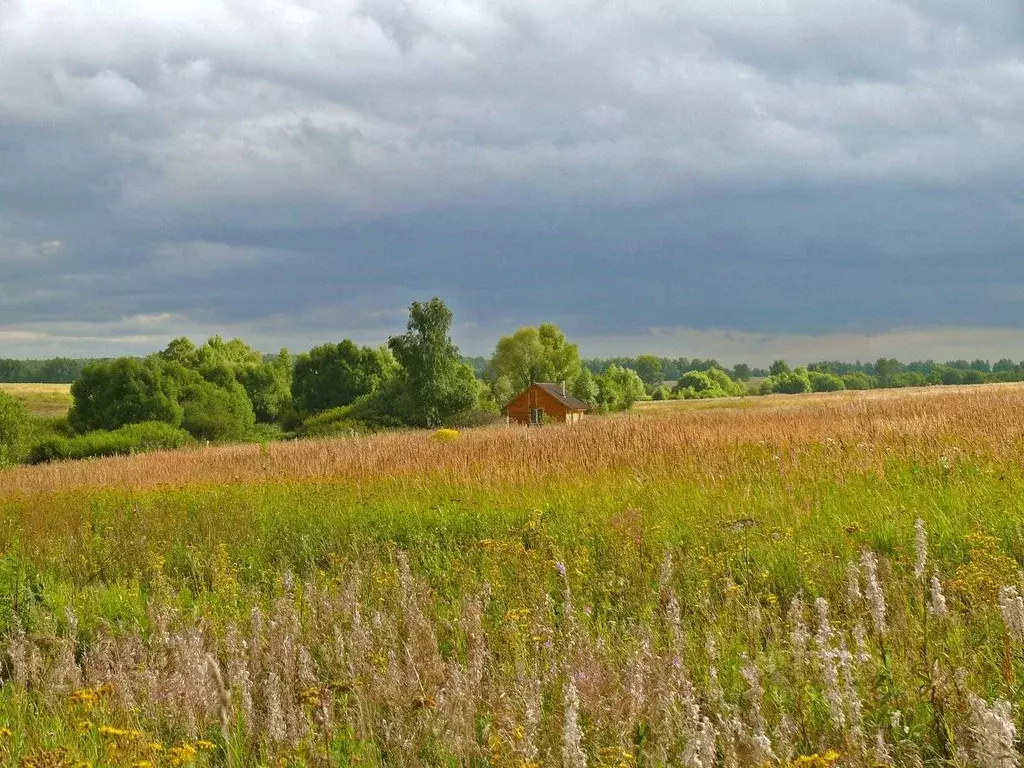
(563, 387)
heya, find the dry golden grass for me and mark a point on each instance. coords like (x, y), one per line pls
(865, 427)
(46, 400)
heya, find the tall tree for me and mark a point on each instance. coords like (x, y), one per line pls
(437, 384)
(648, 368)
(535, 354)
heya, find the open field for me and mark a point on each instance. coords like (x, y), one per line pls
(46, 400)
(727, 586)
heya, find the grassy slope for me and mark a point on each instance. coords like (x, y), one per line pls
(755, 506)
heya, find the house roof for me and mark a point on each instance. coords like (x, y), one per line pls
(570, 402)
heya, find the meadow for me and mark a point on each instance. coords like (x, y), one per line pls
(784, 581)
(47, 401)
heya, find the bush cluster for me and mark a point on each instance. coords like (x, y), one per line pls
(129, 439)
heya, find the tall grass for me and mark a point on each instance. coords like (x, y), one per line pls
(826, 582)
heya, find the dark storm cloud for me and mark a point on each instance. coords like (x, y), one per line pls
(294, 171)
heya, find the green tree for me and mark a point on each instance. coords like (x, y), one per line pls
(111, 394)
(741, 372)
(14, 427)
(585, 387)
(181, 350)
(438, 386)
(778, 367)
(502, 391)
(334, 375)
(885, 369)
(619, 388)
(269, 387)
(649, 369)
(535, 354)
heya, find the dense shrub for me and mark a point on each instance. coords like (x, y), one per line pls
(337, 422)
(858, 380)
(217, 413)
(825, 382)
(130, 439)
(787, 383)
(709, 383)
(124, 391)
(14, 427)
(335, 375)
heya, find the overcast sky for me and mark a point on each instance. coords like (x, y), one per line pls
(744, 179)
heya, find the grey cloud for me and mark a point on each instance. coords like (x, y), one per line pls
(297, 170)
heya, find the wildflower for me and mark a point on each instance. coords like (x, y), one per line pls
(311, 697)
(853, 583)
(995, 734)
(83, 726)
(446, 435)
(6, 733)
(938, 602)
(113, 733)
(573, 755)
(560, 567)
(920, 549)
(873, 590)
(206, 746)
(181, 754)
(799, 636)
(827, 657)
(1011, 604)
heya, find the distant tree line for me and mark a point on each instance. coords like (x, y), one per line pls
(57, 370)
(227, 391)
(656, 371)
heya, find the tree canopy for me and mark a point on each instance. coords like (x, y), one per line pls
(434, 382)
(335, 375)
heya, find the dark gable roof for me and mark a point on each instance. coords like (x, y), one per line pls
(570, 402)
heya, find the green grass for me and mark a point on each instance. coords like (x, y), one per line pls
(744, 545)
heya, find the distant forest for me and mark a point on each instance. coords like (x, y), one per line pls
(885, 372)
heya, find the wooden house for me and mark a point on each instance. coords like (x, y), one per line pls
(540, 402)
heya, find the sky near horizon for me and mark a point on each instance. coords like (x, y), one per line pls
(744, 180)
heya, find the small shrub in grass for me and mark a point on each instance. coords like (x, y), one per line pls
(14, 427)
(129, 439)
(264, 433)
(337, 422)
(479, 417)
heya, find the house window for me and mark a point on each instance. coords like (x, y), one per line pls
(536, 415)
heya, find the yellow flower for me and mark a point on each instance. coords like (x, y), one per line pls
(6, 733)
(181, 754)
(205, 745)
(155, 746)
(83, 726)
(311, 697)
(446, 435)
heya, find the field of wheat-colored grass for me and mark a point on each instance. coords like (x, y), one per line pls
(869, 427)
(45, 400)
(788, 581)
